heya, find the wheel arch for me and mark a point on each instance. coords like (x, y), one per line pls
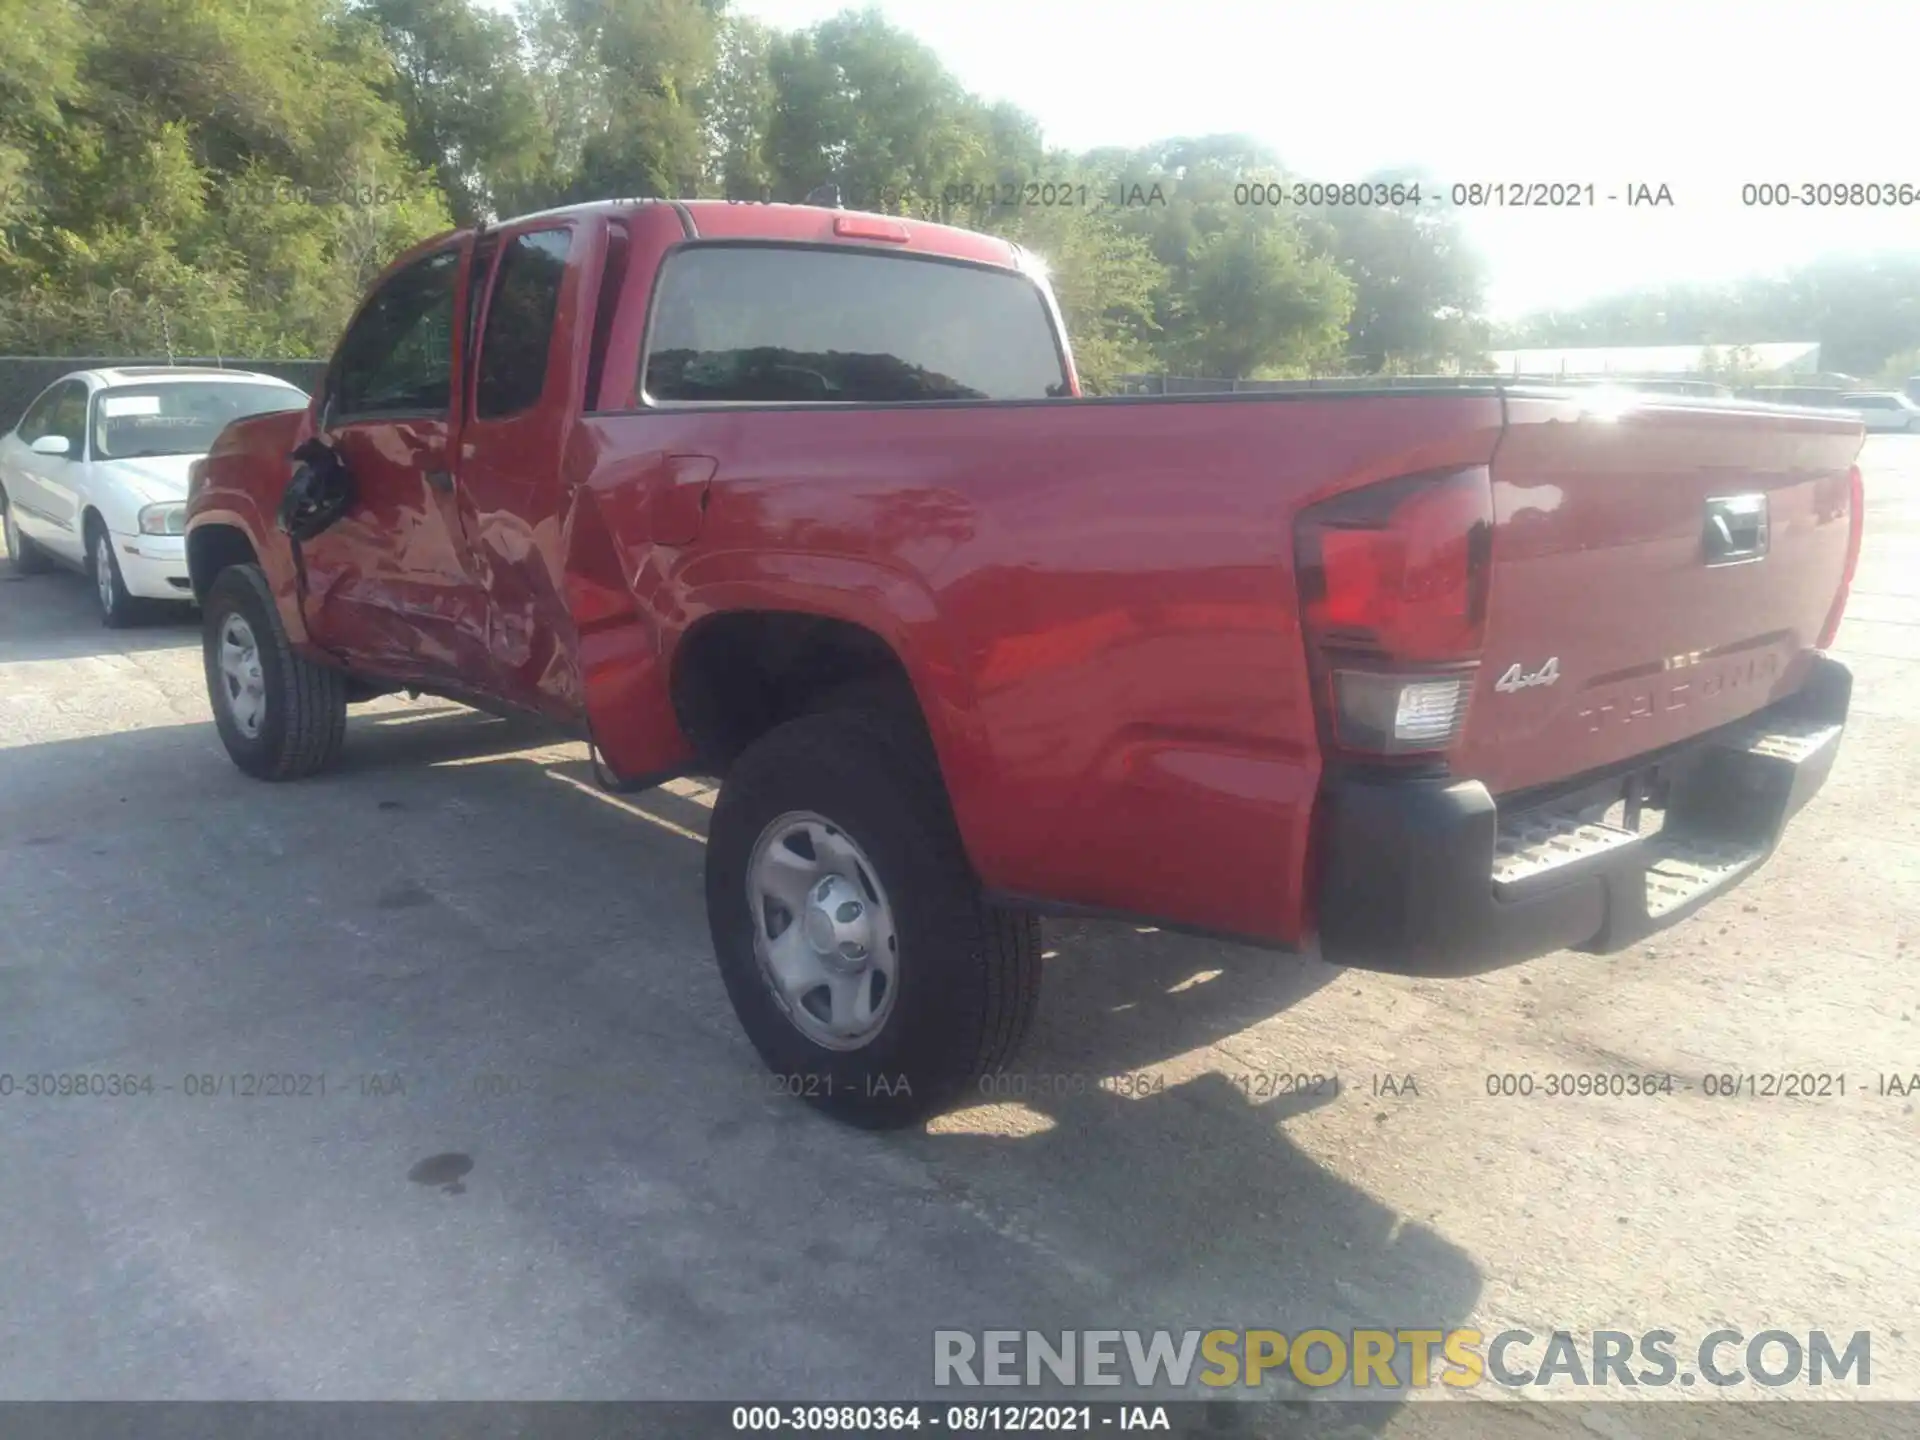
(211, 548)
(217, 539)
(755, 656)
(735, 674)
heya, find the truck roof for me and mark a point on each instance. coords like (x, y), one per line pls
(802, 224)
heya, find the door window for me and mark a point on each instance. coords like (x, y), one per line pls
(61, 410)
(39, 415)
(397, 359)
(519, 329)
(69, 417)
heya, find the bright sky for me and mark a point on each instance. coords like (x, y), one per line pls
(1701, 95)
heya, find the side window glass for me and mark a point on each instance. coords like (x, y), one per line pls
(398, 357)
(69, 417)
(39, 415)
(519, 328)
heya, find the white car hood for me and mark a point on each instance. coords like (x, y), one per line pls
(151, 477)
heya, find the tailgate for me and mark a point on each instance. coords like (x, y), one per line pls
(1659, 569)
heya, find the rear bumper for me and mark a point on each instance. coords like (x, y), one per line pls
(1430, 877)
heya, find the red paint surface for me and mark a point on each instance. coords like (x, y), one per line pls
(1095, 601)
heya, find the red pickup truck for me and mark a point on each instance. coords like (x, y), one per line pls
(809, 500)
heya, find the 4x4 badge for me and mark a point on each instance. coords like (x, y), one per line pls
(1518, 679)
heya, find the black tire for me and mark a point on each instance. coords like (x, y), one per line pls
(968, 972)
(118, 607)
(304, 722)
(26, 557)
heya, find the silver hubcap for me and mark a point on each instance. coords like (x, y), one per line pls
(823, 931)
(242, 685)
(103, 570)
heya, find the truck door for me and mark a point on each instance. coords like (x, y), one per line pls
(387, 586)
(521, 395)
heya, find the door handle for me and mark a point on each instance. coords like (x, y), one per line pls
(441, 480)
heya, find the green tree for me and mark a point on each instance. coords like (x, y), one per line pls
(1418, 289)
(1106, 280)
(226, 174)
(473, 118)
(39, 71)
(617, 85)
(1899, 368)
(657, 57)
(1259, 300)
(1737, 366)
(865, 106)
(220, 175)
(739, 105)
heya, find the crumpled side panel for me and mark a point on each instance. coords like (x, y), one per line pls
(622, 685)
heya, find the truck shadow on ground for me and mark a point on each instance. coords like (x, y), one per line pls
(1183, 1205)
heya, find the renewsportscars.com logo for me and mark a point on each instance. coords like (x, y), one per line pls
(1411, 1359)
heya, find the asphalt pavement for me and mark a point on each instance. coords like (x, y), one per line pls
(431, 1090)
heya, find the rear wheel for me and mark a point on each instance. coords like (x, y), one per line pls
(25, 556)
(859, 954)
(280, 715)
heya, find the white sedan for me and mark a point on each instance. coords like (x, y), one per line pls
(1883, 409)
(95, 474)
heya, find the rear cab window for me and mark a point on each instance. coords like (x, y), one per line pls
(759, 323)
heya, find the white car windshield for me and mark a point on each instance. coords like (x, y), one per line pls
(177, 418)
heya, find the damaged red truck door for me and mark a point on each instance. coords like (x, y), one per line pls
(388, 587)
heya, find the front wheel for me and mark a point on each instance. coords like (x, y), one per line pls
(280, 715)
(860, 956)
(118, 608)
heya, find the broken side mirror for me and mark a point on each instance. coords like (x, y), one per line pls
(320, 492)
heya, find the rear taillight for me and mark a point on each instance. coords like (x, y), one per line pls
(1856, 528)
(1393, 598)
